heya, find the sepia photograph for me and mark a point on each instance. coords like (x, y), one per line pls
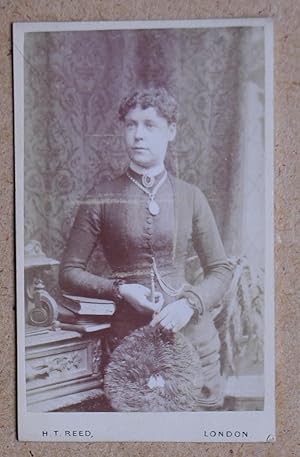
(144, 230)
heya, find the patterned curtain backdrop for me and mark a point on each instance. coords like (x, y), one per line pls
(73, 85)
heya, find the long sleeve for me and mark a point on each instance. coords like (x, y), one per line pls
(209, 247)
(85, 233)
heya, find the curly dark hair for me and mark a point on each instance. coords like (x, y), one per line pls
(158, 98)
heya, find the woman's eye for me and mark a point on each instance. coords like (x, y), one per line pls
(149, 125)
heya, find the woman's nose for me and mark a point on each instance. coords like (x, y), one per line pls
(139, 131)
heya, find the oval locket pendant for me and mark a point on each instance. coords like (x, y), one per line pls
(154, 208)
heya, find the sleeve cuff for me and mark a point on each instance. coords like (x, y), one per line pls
(195, 303)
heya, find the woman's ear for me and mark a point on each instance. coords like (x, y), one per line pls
(172, 131)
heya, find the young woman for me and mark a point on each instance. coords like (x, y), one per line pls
(145, 220)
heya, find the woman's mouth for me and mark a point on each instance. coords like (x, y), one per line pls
(139, 148)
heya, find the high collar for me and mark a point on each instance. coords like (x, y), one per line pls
(154, 171)
(138, 177)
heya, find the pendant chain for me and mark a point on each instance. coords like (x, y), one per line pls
(148, 192)
(167, 289)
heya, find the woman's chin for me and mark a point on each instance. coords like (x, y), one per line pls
(142, 161)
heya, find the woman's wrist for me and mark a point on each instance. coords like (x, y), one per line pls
(117, 289)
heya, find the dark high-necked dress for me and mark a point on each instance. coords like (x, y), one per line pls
(116, 214)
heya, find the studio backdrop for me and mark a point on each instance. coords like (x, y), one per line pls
(74, 82)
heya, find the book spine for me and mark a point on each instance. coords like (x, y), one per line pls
(78, 299)
(83, 328)
(91, 309)
(88, 308)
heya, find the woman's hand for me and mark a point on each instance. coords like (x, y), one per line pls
(174, 316)
(139, 297)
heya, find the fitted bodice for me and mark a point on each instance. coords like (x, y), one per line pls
(116, 214)
(131, 236)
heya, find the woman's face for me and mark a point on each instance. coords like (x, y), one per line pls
(147, 136)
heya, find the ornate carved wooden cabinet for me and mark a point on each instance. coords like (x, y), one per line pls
(63, 367)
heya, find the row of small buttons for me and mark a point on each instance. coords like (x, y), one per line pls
(148, 230)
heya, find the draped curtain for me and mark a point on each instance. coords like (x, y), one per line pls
(74, 82)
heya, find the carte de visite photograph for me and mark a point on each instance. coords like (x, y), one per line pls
(144, 230)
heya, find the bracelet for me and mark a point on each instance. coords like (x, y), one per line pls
(116, 289)
(194, 302)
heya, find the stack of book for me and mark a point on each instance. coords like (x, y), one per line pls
(84, 314)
